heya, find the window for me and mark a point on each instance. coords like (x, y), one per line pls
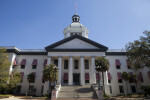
(86, 81)
(33, 66)
(66, 64)
(129, 67)
(34, 63)
(31, 89)
(22, 66)
(45, 62)
(118, 67)
(65, 77)
(87, 78)
(133, 89)
(76, 63)
(110, 88)
(118, 64)
(43, 81)
(142, 80)
(119, 80)
(109, 77)
(121, 89)
(18, 89)
(42, 89)
(119, 77)
(23, 63)
(86, 63)
(56, 62)
(127, 61)
(109, 81)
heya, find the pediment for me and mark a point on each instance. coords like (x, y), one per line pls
(76, 43)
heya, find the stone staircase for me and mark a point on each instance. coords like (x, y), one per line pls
(77, 92)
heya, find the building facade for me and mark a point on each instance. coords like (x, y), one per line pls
(75, 56)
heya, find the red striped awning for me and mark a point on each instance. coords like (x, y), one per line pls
(23, 62)
(118, 62)
(34, 63)
(45, 62)
(98, 76)
(15, 62)
(87, 76)
(148, 73)
(140, 75)
(127, 61)
(21, 75)
(109, 76)
(119, 75)
(65, 76)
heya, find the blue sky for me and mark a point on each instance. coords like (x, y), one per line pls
(35, 24)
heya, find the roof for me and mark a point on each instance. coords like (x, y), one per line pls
(99, 46)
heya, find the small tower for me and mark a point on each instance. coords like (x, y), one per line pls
(75, 28)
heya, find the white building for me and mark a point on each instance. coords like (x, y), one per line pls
(75, 56)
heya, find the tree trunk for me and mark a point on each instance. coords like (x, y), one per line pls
(49, 89)
(103, 82)
(29, 88)
(127, 87)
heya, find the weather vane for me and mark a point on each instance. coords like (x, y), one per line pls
(76, 8)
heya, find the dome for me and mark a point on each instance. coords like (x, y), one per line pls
(75, 18)
(75, 28)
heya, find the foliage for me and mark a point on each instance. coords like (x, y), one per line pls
(14, 79)
(125, 76)
(31, 77)
(4, 68)
(101, 65)
(146, 90)
(101, 61)
(50, 74)
(138, 52)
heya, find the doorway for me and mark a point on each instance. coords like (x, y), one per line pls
(76, 79)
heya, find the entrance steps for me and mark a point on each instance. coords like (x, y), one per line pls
(75, 92)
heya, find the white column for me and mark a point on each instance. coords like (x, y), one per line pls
(93, 77)
(49, 60)
(82, 71)
(70, 70)
(60, 66)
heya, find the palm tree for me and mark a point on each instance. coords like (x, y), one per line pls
(50, 74)
(102, 65)
(31, 78)
(125, 76)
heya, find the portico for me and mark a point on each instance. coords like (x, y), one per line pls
(80, 70)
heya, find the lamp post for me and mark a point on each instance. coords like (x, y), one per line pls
(98, 69)
(55, 69)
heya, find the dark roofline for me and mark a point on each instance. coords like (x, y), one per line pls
(115, 53)
(52, 46)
